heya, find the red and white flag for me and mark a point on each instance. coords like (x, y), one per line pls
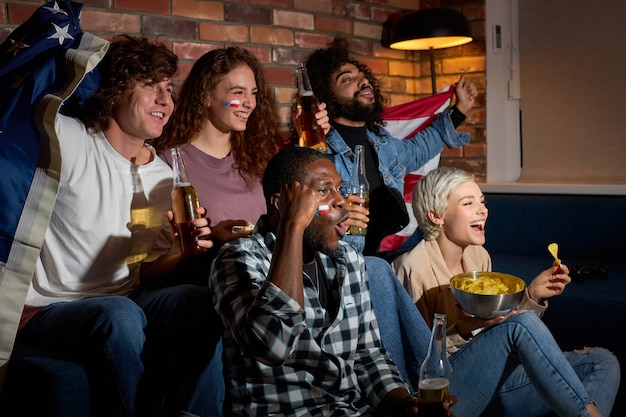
(403, 121)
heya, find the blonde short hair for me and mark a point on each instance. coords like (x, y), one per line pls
(432, 192)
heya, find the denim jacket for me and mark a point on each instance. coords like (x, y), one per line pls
(396, 157)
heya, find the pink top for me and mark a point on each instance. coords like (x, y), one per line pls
(221, 189)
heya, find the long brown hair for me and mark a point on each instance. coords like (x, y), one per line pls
(251, 148)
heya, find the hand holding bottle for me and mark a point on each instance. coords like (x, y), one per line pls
(359, 214)
(307, 107)
(201, 230)
(358, 192)
(187, 213)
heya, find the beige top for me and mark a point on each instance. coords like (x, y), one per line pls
(423, 273)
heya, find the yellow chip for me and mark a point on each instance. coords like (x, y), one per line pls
(488, 286)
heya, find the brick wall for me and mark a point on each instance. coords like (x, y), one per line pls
(282, 33)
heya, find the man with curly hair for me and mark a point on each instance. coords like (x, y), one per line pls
(143, 350)
(355, 104)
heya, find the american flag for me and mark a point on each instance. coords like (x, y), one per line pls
(42, 63)
(403, 121)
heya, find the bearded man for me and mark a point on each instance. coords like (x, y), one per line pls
(355, 104)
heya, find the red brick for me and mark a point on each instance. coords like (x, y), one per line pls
(358, 11)
(262, 53)
(333, 25)
(317, 6)
(274, 3)
(405, 4)
(101, 4)
(476, 116)
(154, 6)
(312, 40)
(475, 166)
(294, 19)
(248, 15)
(359, 47)
(380, 51)
(378, 66)
(198, 9)
(403, 69)
(368, 30)
(380, 14)
(452, 152)
(475, 151)
(290, 56)
(183, 71)
(396, 84)
(19, 13)
(192, 51)
(223, 33)
(97, 21)
(271, 36)
(476, 47)
(463, 65)
(279, 75)
(169, 27)
(474, 12)
(284, 95)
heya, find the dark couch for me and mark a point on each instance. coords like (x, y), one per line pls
(591, 233)
(42, 384)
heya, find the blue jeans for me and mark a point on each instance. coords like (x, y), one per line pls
(519, 366)
(144, 354)
(403, 331)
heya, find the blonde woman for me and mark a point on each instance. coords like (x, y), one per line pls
(509, 365)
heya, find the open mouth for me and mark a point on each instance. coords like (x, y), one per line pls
(479, 225)
(366, 92)
(242, 116)
(158, 114)
(341, 225)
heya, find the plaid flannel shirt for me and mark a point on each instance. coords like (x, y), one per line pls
(281, 359)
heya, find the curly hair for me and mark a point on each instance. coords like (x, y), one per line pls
(322, 63)
(432, 192)
(129, 60)
(251, 148)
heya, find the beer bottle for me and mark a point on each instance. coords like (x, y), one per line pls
(184, 204)
(359, 186)
(434, 379)
(311, 134)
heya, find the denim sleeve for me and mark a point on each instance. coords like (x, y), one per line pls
(414, 152)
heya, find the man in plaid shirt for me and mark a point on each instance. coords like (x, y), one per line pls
(300, 335)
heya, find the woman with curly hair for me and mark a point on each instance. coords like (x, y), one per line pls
(226, 123)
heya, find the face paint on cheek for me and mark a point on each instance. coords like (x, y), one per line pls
(232, 103)
(322, 209)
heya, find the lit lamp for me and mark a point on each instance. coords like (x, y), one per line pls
(426, 29)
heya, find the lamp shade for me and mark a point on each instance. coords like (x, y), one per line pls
(428, 28)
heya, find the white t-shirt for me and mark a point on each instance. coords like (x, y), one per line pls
(109, 216)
